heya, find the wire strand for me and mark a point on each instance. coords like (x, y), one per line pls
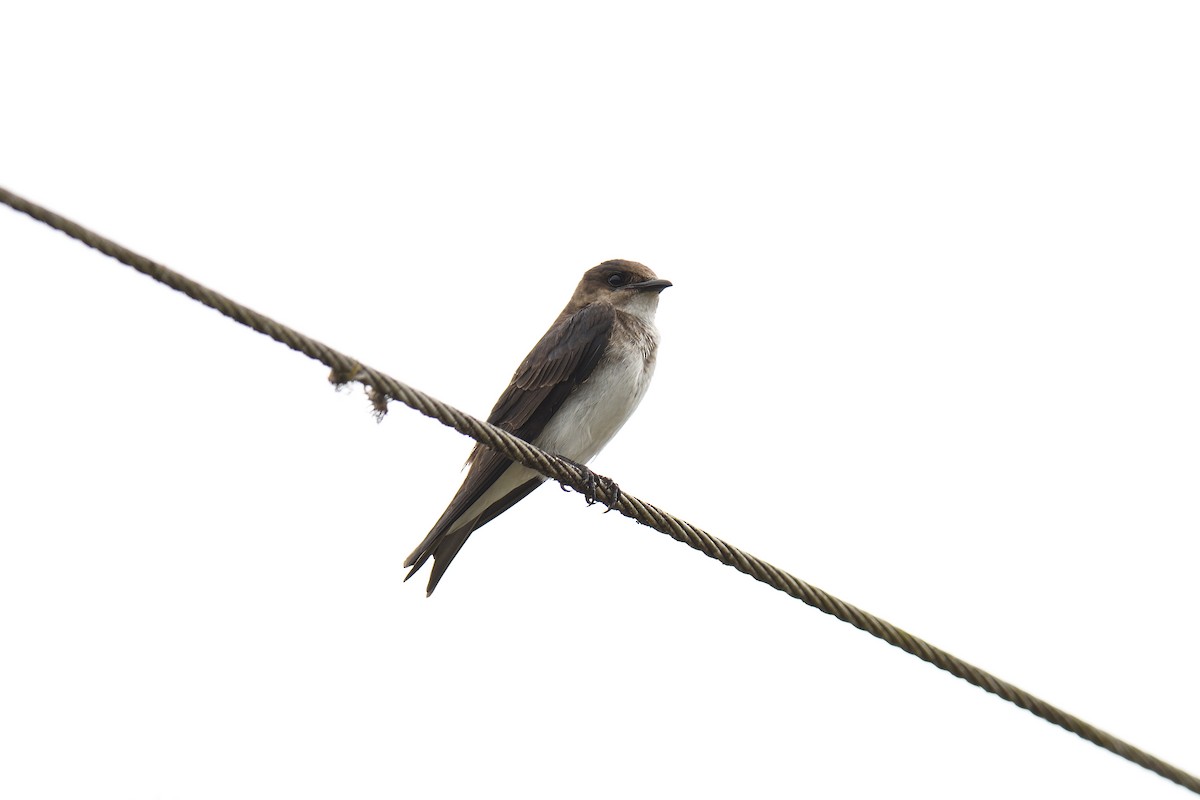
(383, 387)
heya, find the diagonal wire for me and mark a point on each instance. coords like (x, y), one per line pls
(382, 387)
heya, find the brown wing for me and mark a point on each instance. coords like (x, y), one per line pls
(564, 358)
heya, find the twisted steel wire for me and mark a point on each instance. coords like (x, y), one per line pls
(383, 387)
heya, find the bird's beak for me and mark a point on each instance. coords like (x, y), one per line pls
(655, 285)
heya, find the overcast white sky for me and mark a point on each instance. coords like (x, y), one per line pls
(932, 346)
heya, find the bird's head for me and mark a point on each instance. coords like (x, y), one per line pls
(625, 285)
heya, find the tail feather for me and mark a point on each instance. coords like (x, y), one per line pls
(442, 550)
(450, 533)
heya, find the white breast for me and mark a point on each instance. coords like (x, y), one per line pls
(598, 408)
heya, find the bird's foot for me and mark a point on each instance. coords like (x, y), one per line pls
(590, 481)
(614, 492)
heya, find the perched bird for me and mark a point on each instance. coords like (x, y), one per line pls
(570, 395)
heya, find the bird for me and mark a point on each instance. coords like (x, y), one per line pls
(579, 384)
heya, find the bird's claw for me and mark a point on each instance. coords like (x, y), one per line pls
(614, 493)
(590, 481)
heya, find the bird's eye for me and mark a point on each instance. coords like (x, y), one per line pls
(616, 279)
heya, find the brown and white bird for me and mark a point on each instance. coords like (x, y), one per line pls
(570, 396)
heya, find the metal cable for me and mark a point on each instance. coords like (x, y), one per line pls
(381, 386)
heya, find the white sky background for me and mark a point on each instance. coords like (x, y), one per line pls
(932, 346)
